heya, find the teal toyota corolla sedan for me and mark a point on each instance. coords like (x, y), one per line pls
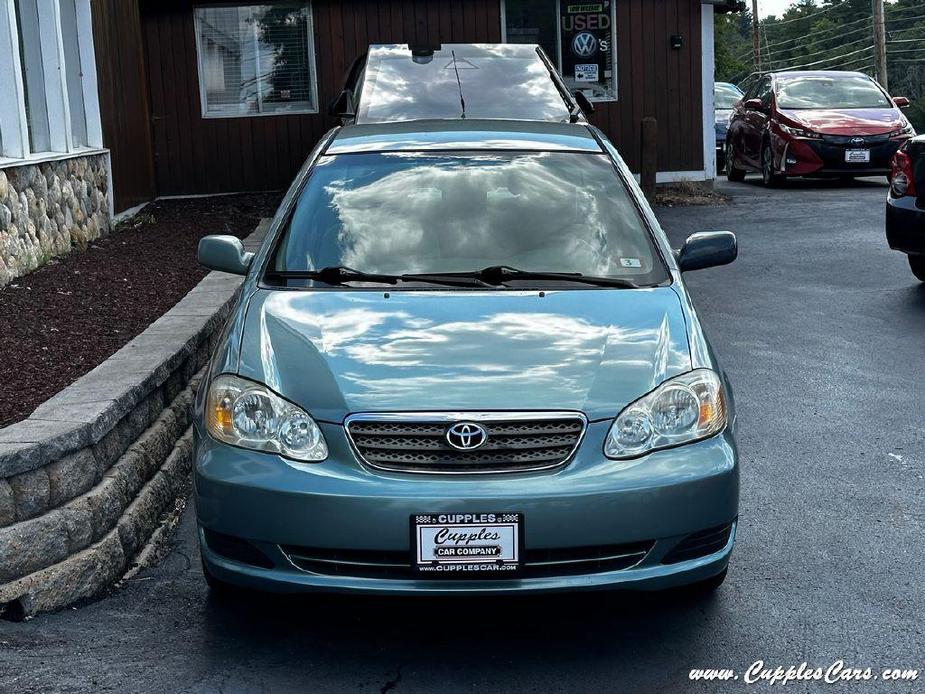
(464, 361)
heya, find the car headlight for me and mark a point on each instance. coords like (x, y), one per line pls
(906, 130)
(686, 408)
(250, 415)
(799, 132)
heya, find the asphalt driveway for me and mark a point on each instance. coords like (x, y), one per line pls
(822, 330)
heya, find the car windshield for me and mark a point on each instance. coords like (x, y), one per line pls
(726, 98)
(415, 212)
(817, 92)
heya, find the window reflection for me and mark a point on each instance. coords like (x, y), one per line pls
(496, 81)
(414, 212)
(255, 58)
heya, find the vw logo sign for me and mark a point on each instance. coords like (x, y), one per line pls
(466, 436)
(584, 45)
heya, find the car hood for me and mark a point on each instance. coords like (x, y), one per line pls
(848, 121)
(340, 352)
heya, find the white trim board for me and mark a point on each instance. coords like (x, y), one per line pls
(707, 77)
(679, 176)
(43, 157)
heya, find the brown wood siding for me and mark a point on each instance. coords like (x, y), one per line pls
(213, 155)
(654, 79)
(121, 82)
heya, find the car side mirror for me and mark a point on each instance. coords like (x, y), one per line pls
(901, 101)
(754, 104)
(707, 249)
(342, 106)
(584, 103)
(225, 254)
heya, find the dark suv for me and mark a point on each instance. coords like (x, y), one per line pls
(905, 205)
(818, 123)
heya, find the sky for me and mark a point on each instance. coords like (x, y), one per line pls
(769, 7)
(773, 7)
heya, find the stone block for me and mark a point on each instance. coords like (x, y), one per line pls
(32, 545)
(71, 476)
(7, 504)
(106, 502)
(81, 576)
(31, 493)
(31, 444)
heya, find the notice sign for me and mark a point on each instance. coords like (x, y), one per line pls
(586, 32)
(586, 72)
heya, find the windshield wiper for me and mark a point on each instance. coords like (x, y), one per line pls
(339, 274)
(335, 274)
(499, 274)
(493, 276)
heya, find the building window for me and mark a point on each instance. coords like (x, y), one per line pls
(50, 104)
(256, 59)
(73, 72)
(580, 37)
(33, 74)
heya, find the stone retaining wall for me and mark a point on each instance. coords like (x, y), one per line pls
(85, 480)
(47, 208)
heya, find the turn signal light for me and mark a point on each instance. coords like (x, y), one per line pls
(902, 182)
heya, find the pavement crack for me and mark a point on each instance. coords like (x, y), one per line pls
(392, 683)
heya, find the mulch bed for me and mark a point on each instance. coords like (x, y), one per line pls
(67, 317)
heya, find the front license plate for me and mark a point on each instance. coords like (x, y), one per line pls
(857, 156)
(467, 545)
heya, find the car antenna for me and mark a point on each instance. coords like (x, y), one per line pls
(462, 100)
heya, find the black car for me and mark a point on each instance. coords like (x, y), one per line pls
(905, 204)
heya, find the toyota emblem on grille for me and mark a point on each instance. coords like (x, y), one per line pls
(584, 44)
(857, 140)
(466, 436)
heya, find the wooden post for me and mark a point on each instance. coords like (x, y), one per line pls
(879, 42)
(756, 44)
(649, 158)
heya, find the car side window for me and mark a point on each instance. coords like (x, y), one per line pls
(764, 92)
(750, 93)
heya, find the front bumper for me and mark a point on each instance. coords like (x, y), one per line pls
(801, 157)
(272, 504)
(905, 224)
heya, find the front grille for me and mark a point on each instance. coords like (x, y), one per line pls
(515, 442)
(851, 141)
(538, 563)
(699, 544)
(831, 150)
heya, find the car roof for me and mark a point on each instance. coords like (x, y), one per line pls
(817, 73)
(457, 80)
(461, 135)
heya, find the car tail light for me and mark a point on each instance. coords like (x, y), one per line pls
(901, 181)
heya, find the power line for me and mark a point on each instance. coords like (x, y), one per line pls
(828, 50)
(828, 60)
(831, 30)
(807, 16)
(906, 19)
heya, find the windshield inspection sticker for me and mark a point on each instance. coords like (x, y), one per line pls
(586, 73)
(630, 262)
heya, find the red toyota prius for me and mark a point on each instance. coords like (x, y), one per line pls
(819, 123)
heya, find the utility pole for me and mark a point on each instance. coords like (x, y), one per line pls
(879, 42)
(756, 46)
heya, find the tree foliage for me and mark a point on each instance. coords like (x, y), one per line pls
(829, 35)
